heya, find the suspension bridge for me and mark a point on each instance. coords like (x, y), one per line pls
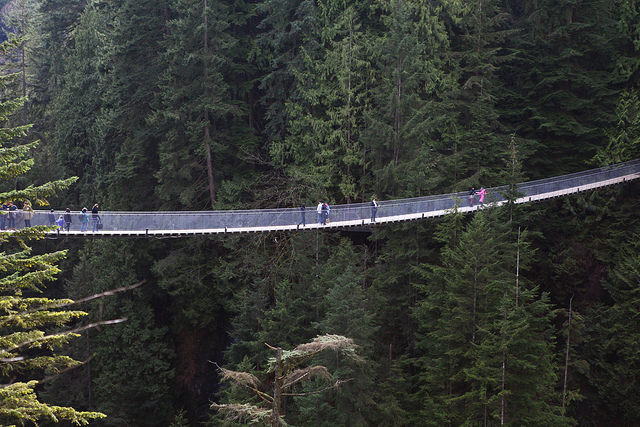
(191, 223)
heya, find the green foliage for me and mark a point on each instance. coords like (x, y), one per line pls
(131, 368)
(611, 347)
(564, 86)
(287, 371)
(34, 328)
(624, 139)
(484, 349)
(339, 100)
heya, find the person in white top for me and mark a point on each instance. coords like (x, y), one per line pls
(319, 209)
(374, 209)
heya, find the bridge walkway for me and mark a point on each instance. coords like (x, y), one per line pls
(189, 223)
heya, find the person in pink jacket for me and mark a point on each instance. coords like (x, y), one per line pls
(481, 193)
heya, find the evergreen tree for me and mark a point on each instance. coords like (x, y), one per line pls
(133, 57)
(624, 139)
(34, 327)
(322, 148)
(196, 109)
(611, 347)
(482, 332)
(76, 134)
(349, 310)
(286, 372)
(565, 78)
(402, 125)
(132, 364)
(480, 137)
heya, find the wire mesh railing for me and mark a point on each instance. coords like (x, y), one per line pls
(117, 221)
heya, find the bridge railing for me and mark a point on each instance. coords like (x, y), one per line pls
(357, 212)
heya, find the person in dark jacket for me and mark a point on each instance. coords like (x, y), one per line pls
(3, 216)
(12, 216)
(52, 217)
(95, 217)
(67, 219)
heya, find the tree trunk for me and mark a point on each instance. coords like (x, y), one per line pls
(275, 414)
(207, 130)
(518, 269)
(166, 18)
(566, 357)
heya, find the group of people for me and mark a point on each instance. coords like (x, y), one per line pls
(9, 215)
(323, 209)
(65, 220)
(481, 193)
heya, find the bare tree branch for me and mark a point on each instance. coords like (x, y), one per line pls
(89, 298)
(241, 379)
(62, 334)
(336, 385)
(52, 377)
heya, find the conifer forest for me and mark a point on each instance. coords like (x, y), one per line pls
(517, 315)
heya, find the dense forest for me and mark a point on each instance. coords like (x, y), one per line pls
(517, 315)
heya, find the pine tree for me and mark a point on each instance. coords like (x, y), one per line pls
(76, 134)
(483, 331)
(35, 327)
(286, 371)
(565, 75)
(349, 310)
(131, 368)
(132, 55)
(402, 124)
(195, 108)
(611, 347)
(322, 148)
(480, 137)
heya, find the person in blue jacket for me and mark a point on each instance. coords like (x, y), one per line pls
(84, 220)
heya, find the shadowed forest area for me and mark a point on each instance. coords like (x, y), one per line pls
(517, 315)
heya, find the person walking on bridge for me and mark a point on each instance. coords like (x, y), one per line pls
(482, 193)
(84, 220)
(472, 196)
(27, 213)
(67, 219)
(325, 213)
(3, 216)
(12, 216)
(95, 217)
(320, 209)
(374, 209)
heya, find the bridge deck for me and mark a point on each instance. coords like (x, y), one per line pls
(177, 224)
